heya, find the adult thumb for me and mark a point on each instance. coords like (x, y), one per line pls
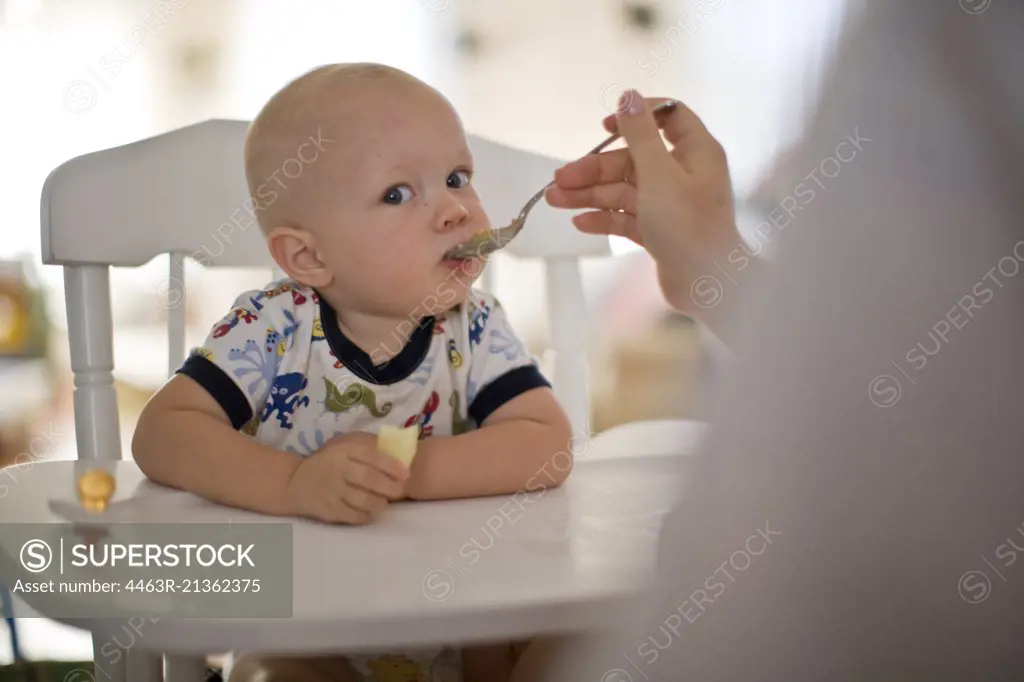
(636, 124)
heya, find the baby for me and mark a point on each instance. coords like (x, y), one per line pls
(277, 411)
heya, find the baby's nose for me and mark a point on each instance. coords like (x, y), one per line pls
(454, 215)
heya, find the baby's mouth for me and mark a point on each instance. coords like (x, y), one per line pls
(473, 248)
(449, 258)
(462, 265)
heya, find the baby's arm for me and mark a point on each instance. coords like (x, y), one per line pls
(189, 434)
(523, 445)
(523, 439)
(185, 440)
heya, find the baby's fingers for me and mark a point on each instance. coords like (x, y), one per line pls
(373, 480)
(383, 463)
(364, 501)
(343, 512)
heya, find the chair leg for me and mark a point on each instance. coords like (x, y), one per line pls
(185, 668)
(145, 666)
(90, 321)
(107, 671)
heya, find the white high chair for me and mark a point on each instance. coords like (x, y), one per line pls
(178, 191)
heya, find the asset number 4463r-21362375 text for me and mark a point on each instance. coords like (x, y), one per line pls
(193, 586)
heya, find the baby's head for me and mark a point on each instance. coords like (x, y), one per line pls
(361, 178)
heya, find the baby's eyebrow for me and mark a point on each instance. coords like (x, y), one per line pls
(400, 167)
(407, 167)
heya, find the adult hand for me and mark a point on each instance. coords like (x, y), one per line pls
(676, 203)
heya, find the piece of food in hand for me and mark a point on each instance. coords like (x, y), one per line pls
(95, 488)
(399, 442)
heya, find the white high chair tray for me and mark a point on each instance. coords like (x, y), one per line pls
(456, 571)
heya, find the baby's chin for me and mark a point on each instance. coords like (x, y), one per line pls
(451, 295)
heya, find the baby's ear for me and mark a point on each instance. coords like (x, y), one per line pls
(294, 250)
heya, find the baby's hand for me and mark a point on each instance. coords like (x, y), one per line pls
(347, 481)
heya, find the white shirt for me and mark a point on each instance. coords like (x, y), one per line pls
(284, 372)
(858, 513)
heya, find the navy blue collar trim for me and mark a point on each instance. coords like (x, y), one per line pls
(357, 361)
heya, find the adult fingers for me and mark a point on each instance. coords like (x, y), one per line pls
(638, 128)
(611, 121)
(610, 223)
(683, 128)
(619, 196)
(687, 133)
(595, 169)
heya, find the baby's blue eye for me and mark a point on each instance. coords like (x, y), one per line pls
(458, 179)
(395, 194)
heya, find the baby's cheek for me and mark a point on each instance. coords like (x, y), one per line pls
(401, 274)
(368, 273)
(483, 222)
(477, 215)
(390, 263)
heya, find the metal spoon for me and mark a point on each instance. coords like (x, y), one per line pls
(489, 241)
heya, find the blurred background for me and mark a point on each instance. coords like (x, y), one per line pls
(82, 75)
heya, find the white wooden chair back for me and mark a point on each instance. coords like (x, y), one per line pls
(184, 190)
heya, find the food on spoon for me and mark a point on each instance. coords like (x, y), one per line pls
(399, 442)
(479, 238)
(474, 246)
(95, 488)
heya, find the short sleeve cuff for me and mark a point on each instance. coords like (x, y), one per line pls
(219, 385)
(504, 388)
